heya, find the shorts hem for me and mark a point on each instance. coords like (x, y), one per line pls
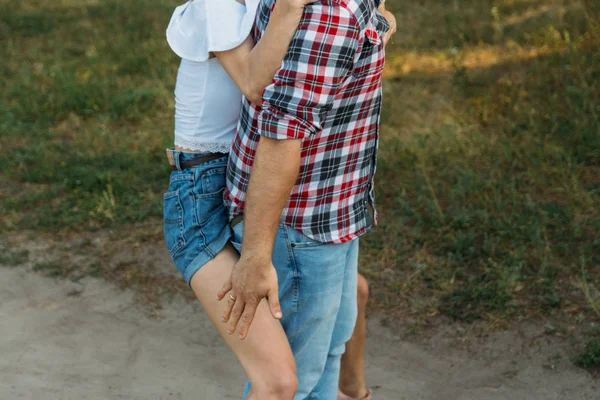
(207, 254)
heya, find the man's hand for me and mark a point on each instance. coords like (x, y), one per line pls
(251, 280)
(391, 19)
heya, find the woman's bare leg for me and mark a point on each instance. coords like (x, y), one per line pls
(265, 354)
(352, 374)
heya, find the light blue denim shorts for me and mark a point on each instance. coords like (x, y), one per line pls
(196, 225)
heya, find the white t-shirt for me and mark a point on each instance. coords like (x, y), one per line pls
(207, 101)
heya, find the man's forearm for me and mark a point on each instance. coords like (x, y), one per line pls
(274, 173)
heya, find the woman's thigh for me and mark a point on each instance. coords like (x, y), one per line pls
(266, 347)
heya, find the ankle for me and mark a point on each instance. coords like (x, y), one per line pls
(354, 388)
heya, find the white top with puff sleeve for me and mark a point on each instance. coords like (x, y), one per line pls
(207, 101)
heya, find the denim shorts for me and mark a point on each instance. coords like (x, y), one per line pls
(196, 224)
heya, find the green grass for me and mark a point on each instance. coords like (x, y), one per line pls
(51, 269)
(85, 111)
(488, 180)
(591, 357)
(489, 174)
(13, 258)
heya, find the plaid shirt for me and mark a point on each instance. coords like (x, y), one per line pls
(328, 94)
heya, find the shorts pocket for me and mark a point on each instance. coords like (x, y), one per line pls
(207, 206)
(211, 182)
(173, 221)
(208, 194)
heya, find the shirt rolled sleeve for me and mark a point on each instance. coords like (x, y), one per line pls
(320, 58)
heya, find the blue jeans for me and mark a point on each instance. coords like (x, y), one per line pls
(317, 292)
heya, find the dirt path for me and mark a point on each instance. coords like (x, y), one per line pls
(91, 340)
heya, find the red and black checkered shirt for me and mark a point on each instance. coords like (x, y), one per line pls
(328, 94)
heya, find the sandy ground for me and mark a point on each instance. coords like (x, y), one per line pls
(91, 340)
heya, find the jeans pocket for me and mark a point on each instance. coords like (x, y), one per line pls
(299, 240)
(173, 221)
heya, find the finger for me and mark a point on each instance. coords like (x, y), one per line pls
(236, 313)
(274, 305)
(227, 286)
(247, 318)
(228, 307)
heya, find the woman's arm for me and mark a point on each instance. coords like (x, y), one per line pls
(391, 19)
(252, 67)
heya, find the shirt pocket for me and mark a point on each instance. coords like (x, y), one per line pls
(371, 59)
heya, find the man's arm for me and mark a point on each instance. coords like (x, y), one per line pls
(274, 173)
(254, 277)
(294, 107)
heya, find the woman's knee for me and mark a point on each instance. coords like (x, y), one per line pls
(277, 384)
(363, 292)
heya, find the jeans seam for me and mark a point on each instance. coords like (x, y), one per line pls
(192, 194)
(294, 268)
